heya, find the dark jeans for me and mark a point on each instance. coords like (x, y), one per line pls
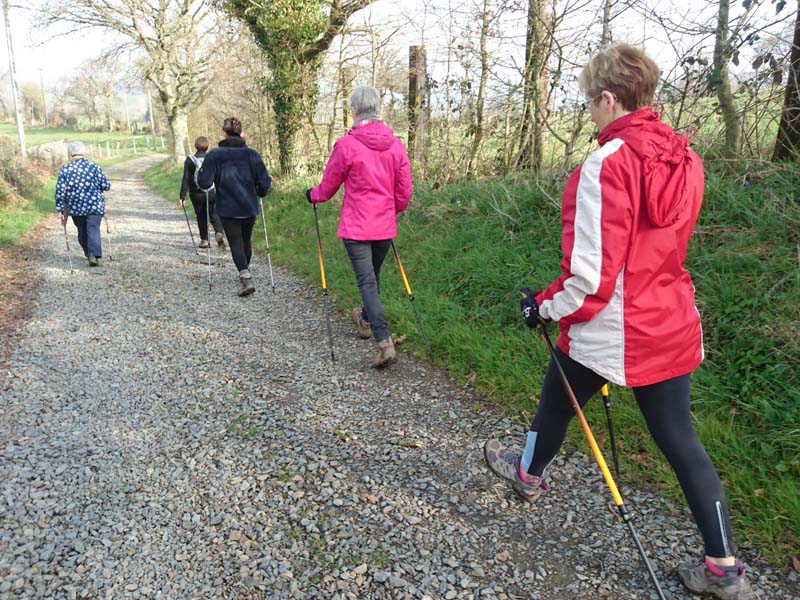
(367, 258)
(239, 233)
(666, 410)
(89, 234)
(199, 203)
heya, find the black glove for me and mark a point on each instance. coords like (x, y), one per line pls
(530, 309)
(308, 195)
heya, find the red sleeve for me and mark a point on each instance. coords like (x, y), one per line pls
(597, 218)
(335, 173)
(403, 187)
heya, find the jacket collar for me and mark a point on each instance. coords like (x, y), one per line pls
(232, 142)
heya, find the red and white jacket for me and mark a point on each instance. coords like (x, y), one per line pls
(624, 302)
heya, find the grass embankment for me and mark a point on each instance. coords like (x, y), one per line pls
(19, 217)
(468, 248)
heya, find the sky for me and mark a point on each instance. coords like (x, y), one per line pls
(58, 56)
(34, 50)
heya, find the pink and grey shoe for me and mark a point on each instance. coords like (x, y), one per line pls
(725, 583)
(505, 463)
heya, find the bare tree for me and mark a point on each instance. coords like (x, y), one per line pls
(484, 78)
(721, 82)
(538, 46)
(169, 33)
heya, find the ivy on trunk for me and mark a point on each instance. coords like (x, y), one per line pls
(293, 34)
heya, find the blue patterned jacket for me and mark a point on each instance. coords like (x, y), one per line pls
(80, 186)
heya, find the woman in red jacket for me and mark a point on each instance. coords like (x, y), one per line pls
(624, 302)
(373, 166)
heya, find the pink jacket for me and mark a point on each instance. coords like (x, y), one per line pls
(625, 302)
(373, 165)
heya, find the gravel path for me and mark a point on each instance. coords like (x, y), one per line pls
(158, 441)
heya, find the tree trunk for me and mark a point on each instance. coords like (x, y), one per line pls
(288, 122)
(417, 84)
(722, 83)
(178, 123)
(537, 53)
(605, 40)
(787, 144)
(478, 136)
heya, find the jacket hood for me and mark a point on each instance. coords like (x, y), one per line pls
(376, 135)
(666, 159)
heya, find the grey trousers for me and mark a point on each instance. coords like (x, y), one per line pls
(367, 258)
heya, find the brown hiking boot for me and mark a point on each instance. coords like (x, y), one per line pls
(220, 241)
(386, 354)
(203, 244)
(246, 281)
(364, 330)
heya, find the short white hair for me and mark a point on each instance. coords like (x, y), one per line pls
(76, 149)
(365, 100)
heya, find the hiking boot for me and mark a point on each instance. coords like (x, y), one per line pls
(203, 244)
(362, 325)
(708, 579)
(386, 354)
(246, 281)
(93, 262)
(505, 463)
(220, 241)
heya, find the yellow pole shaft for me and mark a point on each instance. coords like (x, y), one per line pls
(402, 273)
(321, 266)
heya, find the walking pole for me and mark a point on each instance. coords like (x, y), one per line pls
(208, 249)
(108, 235)
(324, 283)
(66, 239)
(266, 241)
(608, 405)
(411, 297)
(185, 214)
(601, 462)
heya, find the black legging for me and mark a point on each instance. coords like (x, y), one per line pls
(666, 410)
(239, 233)
(199, 204)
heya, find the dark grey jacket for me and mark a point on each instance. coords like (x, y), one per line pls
(240, 178)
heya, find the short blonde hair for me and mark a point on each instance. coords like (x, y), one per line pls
(624, 70)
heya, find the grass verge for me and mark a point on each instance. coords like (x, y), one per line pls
(467, 249)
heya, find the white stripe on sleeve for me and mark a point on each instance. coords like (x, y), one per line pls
(586, 260)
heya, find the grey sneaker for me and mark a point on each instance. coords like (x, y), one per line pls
(362, 325)
(731, 585)
(93, 262)
(504, 462)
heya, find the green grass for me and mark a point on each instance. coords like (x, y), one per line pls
(467, 249)
(16, 221)
(35, 136)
